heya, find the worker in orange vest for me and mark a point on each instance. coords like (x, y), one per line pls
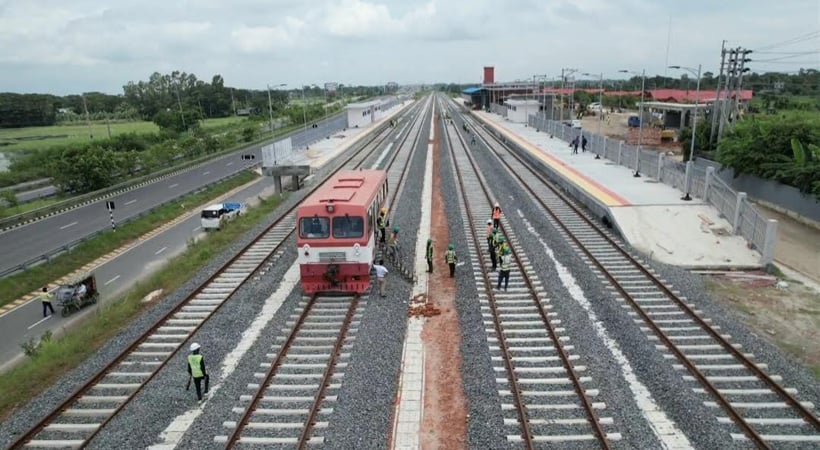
(496, 215)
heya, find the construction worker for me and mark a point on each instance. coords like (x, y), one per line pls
(501, 245)
(430, 255)
(490, 229)
(46, 298)
(496, 215)
(393, 244)
(492, 242)
(451, 258)
(381, 223)
(381, 272)
(196, 369)
(504, 273)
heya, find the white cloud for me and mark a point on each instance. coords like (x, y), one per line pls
(60, 46)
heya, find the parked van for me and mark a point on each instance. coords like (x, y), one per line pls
(215, 215)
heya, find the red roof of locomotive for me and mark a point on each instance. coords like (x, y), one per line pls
(349, 187)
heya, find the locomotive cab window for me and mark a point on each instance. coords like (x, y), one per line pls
(314, 227)
(348, 227)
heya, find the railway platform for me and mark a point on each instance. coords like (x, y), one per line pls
(651, 216)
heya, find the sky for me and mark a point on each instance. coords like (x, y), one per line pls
(63, 47)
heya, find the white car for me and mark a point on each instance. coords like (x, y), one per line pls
(594, 106)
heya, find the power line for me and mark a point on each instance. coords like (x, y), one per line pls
(804, 37)
(807, 52)
(780, 58)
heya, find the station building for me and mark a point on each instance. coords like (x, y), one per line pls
(362, 114)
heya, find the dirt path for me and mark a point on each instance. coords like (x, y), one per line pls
(445, 406)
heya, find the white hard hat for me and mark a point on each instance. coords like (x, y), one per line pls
(496, 204)
(194, 346)
(489, 221)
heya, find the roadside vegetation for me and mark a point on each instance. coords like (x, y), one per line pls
(16, 285)
(53, 357)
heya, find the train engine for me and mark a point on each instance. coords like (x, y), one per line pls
(336, 226)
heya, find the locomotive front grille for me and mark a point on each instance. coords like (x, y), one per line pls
(328, 257)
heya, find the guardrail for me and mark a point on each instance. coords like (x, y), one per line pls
(102, 194)
(71, 245)
(746, 221)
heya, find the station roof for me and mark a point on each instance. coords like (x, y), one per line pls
(471, 90)
(364, 105)
(522, 102)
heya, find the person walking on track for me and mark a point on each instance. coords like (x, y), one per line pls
(196, 371)
(501, 246)
(493, 244)
(381, 223)
(393, 244)
(490, 229)
(504, 274)
(451, 258)
(46, 298)
(381, 272)
(430, 255)
(496, 216)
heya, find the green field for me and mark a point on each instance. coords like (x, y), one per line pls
(30, 138)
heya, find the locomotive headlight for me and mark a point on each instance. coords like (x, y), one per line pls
(306, 249)
(356, 248)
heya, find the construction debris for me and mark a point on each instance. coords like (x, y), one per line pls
(422, 306)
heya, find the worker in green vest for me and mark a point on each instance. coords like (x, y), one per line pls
(46, 298)
(430, 255)
(196, 370)
(504, 273)
(451, 258)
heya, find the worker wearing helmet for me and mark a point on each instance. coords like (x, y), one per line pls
(381, 223)
(501, 245)
(393, 244)
(491, 244)
(490, 229)
(496, 215)
(196, 371)
(504, 273)
(451, 258)
(429, 255)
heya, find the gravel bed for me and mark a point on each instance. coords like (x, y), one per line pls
(668, 388)
(485, 428)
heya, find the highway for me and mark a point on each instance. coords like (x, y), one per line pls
(113, 278)
(45, 236)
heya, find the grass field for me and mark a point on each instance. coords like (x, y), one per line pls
(29, 138)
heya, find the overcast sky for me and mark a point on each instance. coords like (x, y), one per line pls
(71, 46)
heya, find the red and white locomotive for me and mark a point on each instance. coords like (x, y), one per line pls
(336, 228)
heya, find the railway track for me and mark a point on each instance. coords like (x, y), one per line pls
(85, 412)
(290, 405)
(287, 408)
(744, 397)
(544, 394)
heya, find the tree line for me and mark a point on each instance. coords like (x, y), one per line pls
(144, 99)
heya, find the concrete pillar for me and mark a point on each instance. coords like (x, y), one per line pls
(277, 183)
(687, 180)
(767, 255)
(294, 182)
(710, 172)
(620, 151)
(603, 151)
(661, 157)
(738, 204)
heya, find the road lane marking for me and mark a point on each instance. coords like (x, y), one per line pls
(229, 163)
(39, 322)
(69, 225)
(112, 280)
(130, 201)
(197, 229)
(173, 185)
(206, 173)
(160, 250)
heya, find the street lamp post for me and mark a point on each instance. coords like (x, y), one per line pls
(270, 123)
(694, 119)
(640, 121)
(304, 114)
(601, 104)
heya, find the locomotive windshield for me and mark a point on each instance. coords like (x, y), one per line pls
(348, 227)
(314, 227)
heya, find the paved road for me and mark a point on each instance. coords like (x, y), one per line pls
(23, 244)
(113, 278)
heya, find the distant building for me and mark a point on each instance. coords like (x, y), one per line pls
(65, 111)
(392, 87)
(244, 111)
